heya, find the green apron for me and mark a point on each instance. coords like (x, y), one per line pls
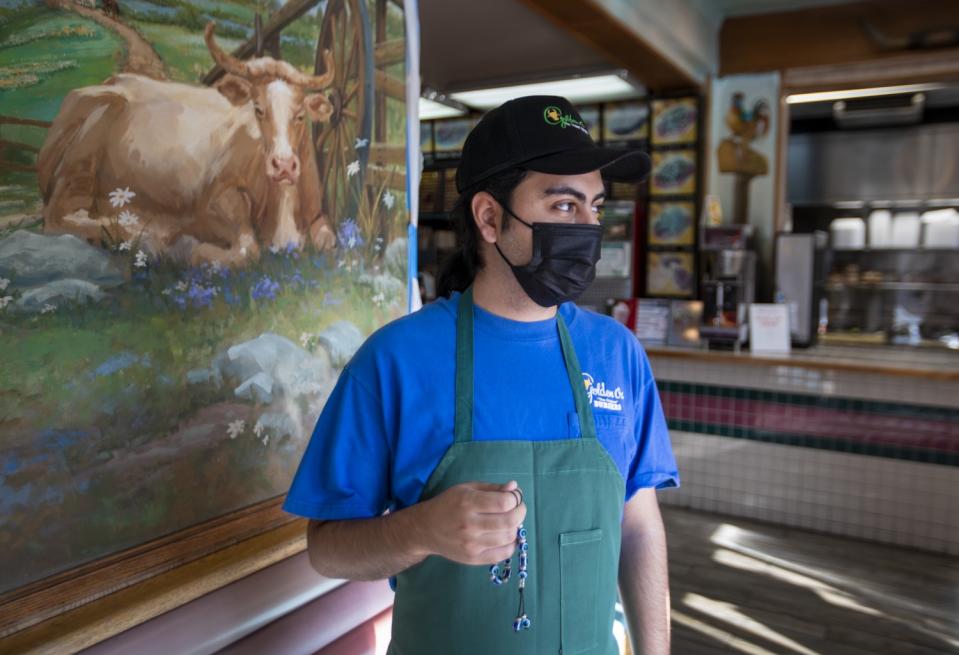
(574, 495)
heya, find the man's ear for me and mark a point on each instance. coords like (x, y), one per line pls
(235, 89)
(487, 214)
(319, 107)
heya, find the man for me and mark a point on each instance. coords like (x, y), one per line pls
(516, 439)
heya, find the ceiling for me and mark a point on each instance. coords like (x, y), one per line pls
(467, 44)
(731, 8)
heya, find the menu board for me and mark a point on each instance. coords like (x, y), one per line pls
(652, 321)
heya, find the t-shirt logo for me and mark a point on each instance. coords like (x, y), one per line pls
(601, 397)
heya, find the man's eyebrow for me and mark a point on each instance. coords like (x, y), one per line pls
(570, 191)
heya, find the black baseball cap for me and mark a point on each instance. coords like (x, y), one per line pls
(544, 134)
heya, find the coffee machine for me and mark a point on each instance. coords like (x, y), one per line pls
(728, 282)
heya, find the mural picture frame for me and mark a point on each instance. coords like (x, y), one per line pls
(102, 591)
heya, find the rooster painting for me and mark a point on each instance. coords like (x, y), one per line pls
(735, 154)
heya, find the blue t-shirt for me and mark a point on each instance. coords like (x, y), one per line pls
(389, 419)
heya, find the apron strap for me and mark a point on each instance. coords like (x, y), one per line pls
(587, 426)
(463, 414)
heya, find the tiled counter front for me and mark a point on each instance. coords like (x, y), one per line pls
(856, 453)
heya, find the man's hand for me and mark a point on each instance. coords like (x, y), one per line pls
(472, 523)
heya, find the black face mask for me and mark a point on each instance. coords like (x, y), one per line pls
(563, 263)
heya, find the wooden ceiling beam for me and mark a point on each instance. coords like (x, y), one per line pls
(594, 26)
(831, 35)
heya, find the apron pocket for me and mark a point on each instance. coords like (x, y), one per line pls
(579, 579)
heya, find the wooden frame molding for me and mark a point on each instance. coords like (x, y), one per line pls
(109, 615)
(76, 598)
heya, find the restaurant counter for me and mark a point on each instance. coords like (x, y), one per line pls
(861, 441)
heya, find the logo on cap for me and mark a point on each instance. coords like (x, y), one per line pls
(553, 116)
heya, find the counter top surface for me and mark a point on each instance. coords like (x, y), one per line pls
(890, 360)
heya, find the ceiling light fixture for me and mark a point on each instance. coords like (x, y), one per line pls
(434, 104)
(578, 90)
(827, 96)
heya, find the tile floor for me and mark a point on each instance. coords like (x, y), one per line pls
(742, 586)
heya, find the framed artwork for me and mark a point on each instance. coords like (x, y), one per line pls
(590, 116)
(625, 121)
(670, 274)
(675, 121)
(162, 376)
(673, 173)
(449, 134)
(430, 200)
(426, 138)
(450, 196)
(671, 223)
(616, 259)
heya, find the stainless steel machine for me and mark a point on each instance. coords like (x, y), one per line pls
(728, 280)
(801, 268)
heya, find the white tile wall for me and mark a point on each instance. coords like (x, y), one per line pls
(881, 499)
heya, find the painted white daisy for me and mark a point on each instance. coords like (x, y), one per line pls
(361, 143)
(125, 246)
(47, 308)
(266, 438)
(4, 282)
(258, 428)
(389, 199)
(128, 218)
(5, 300)
(353, 168)
(121, 197)
(236, 428)
(141, 259)
(182, 285)
(305, 339)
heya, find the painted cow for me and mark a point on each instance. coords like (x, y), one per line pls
(217, 172)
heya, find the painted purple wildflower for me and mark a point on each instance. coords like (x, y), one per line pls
(349, 235)
(265, 288)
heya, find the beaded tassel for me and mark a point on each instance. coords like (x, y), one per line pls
(521, 622)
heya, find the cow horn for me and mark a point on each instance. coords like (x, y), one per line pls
(315, 81)
(229, 63)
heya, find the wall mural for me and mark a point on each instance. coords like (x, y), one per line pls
(202, 216)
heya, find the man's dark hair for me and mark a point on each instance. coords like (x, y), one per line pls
(461, 267)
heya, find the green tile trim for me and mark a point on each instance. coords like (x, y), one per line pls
(821, 443)
(927, 412)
